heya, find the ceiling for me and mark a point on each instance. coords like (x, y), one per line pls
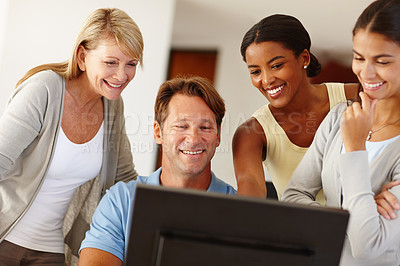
(329, 22)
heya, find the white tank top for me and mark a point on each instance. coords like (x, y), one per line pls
(72, 165)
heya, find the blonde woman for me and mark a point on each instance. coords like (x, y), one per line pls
(63, 142)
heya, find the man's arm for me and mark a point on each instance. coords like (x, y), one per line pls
(109, 228)
(97, 257)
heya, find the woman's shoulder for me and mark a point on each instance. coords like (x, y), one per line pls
(248, 132)
(351, 90)
(249, 126)
(42, 82)
(340, 92)
(39, 89)
(262, 111)
(44, 77)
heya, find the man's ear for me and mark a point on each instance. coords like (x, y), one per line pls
(81, 58)
(157, 132)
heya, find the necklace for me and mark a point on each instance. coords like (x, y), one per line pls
(371, 132)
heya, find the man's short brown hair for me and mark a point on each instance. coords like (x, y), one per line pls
(190, 86)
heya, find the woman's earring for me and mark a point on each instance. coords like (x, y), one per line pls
(305, 66)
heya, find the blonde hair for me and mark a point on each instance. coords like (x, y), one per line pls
(102, 24)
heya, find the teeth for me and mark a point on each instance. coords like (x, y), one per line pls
(113, 85)
(275, 90)
(192, 152)
(372, 85)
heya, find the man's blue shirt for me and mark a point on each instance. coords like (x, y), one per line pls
(110, 223)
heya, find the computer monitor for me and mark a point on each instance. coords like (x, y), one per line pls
(173, 227)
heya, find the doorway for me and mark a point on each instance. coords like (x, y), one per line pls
(183, 62)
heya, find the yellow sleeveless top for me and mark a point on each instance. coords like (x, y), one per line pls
(282, 155)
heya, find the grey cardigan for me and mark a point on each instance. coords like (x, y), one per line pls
(28, 132)
(370, 239)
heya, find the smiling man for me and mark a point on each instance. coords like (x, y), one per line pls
(188, 117)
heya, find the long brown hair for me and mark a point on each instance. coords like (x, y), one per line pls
(383, 17)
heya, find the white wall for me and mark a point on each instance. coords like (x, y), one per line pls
(43, 31)
(3, 20)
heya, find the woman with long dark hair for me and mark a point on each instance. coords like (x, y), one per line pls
(356, 149)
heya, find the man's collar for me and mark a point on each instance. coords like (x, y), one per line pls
(154, 179)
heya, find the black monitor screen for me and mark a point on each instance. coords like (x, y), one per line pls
(173, 227)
